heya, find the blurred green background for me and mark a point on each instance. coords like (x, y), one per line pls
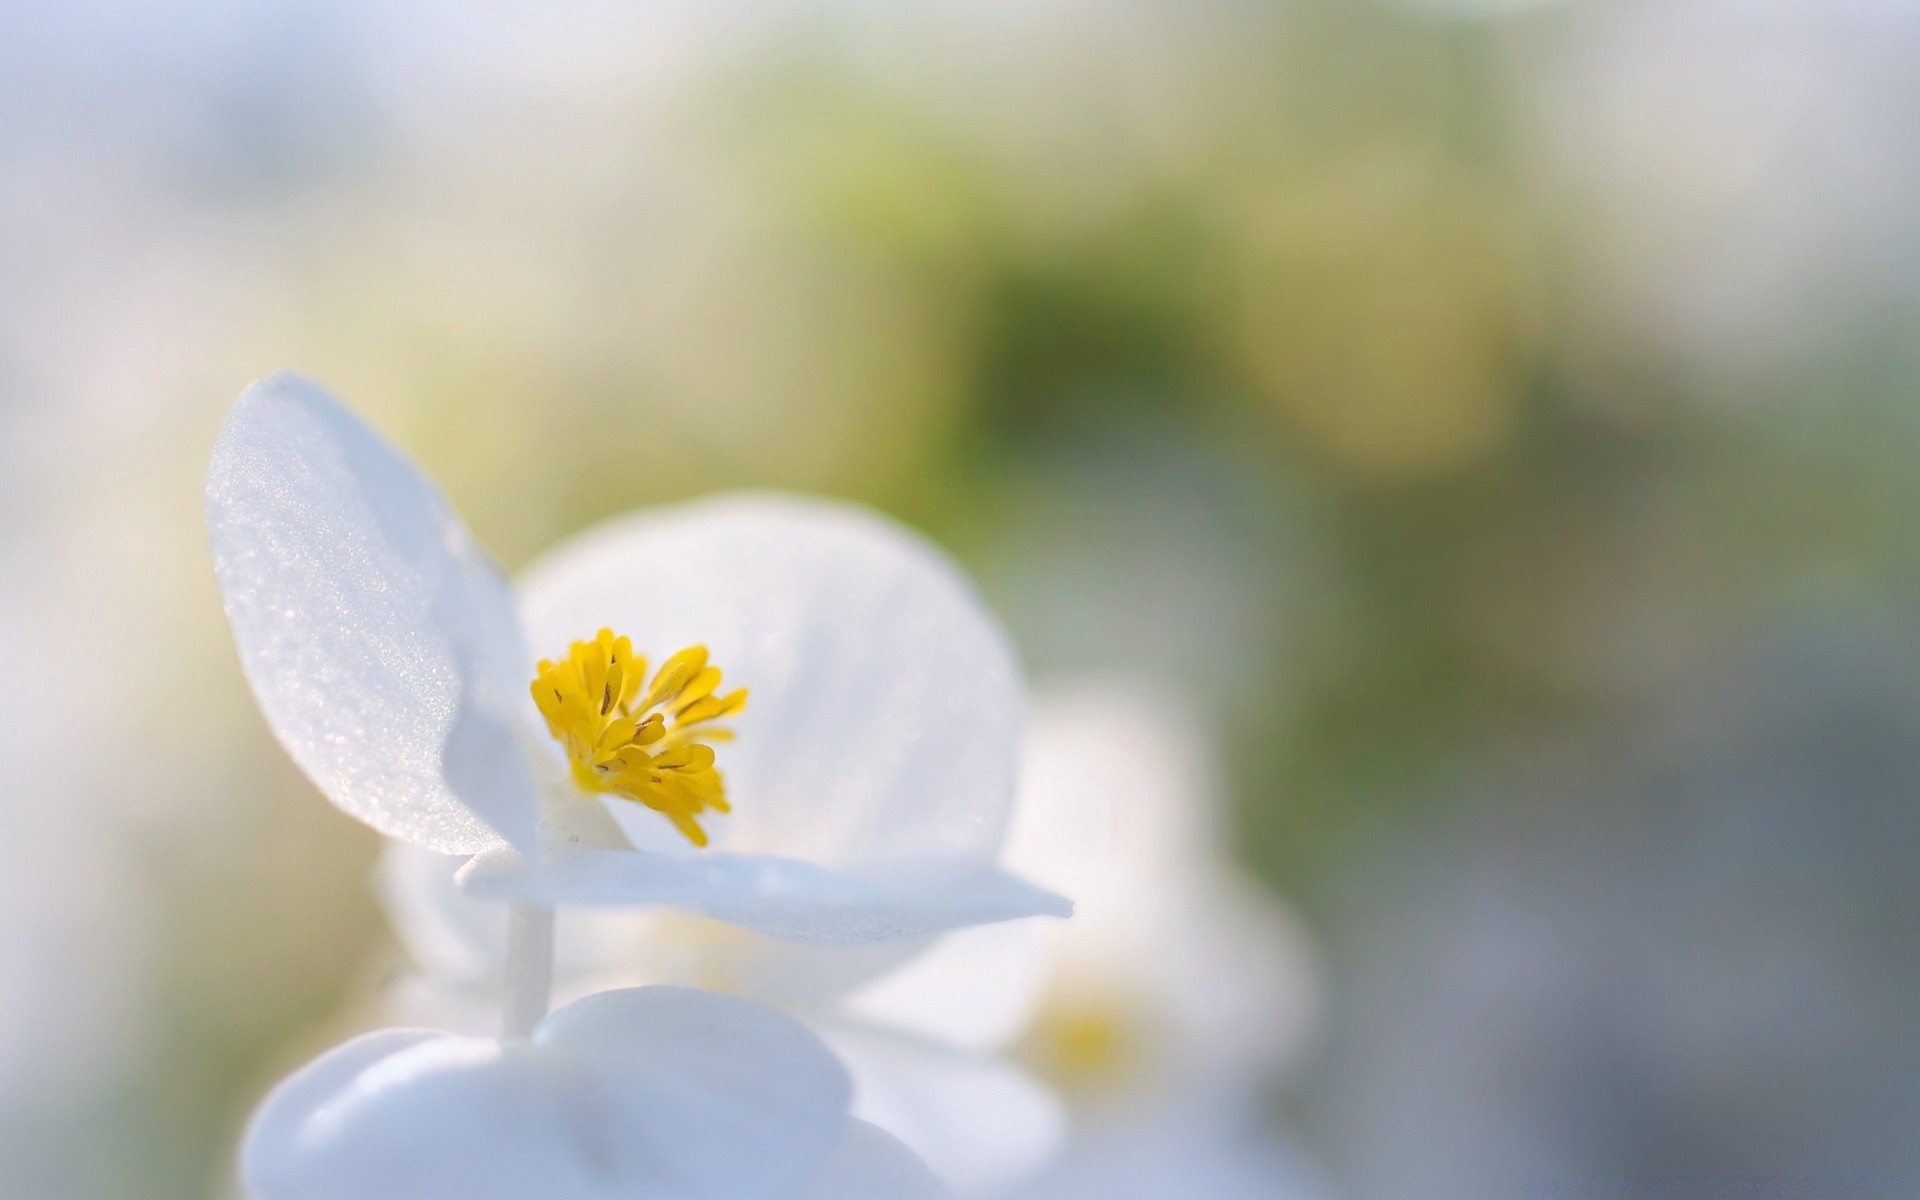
(1501, 416)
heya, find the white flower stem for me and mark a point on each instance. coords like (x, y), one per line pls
(529, 967)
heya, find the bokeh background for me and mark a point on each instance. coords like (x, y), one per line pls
(1504, 417)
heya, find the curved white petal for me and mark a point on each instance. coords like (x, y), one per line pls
(910, 897)
(457, 943)
(871, 1164)
(979, 1123)
(886, 703)
(370, 626)
(644, 1094)
(1120, 784)
(268, 1155)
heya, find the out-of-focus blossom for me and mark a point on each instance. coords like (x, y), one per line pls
(663, 1093)
(872, 776)
(977, 1120)
(1169, 1003)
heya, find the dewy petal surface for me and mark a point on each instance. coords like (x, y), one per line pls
(886, 702)
(368, 623)
(642, 1094)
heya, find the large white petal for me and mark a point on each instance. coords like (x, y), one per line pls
(269, 1151)
(886, 703)
(909, 897)
(981, 1124)
(871, 1164)
(380, 641)
(645, 1094)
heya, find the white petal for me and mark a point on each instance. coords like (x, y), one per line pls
(780, 897)
(1119, 785)
(1120, 805)
(871, 1164)
(458, 942)
(1243, 983)
(975, 988)
(269, 1159)
(369, 624)
(980, 1124)
(646, 1094)
(886, 703)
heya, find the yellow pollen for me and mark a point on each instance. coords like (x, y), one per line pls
(640, 740)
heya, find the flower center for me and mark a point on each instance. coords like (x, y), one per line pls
(641, 741)
(1086, 1046)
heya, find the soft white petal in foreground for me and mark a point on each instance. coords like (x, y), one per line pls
(366, 619)
(907, 897)
(644, 1094)
(979, 1123)
(886, 704)
(871, 1164)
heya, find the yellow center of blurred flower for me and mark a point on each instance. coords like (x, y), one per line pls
(1086, 1047)
(642, 741)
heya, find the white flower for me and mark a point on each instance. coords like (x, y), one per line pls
(1177, 991)
(979, 1121)
(643, 1094)
(866, 785)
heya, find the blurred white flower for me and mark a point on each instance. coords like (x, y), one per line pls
(872, 775)
(1177, 992)
(1162, 1009)
(662, 1093)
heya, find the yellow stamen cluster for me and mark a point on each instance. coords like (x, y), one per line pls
(641, 741)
